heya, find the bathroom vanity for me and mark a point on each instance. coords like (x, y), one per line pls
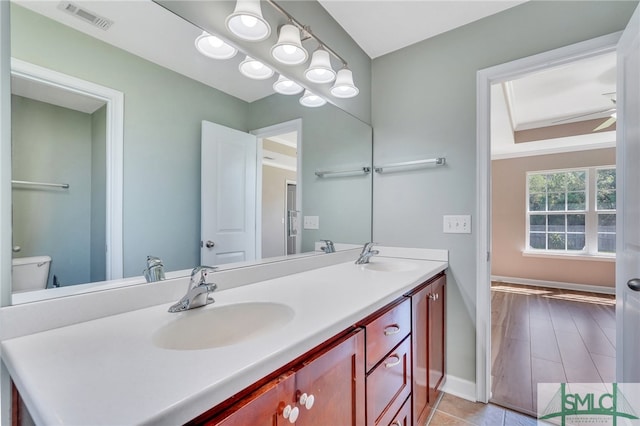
(345, 343)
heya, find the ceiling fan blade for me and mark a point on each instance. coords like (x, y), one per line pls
(609, 122)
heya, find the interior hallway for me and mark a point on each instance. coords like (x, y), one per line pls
(543, 335)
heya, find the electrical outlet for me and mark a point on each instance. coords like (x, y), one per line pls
(311, 222)
(460, 224)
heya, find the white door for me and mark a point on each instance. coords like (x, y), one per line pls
(628, 227)
(228, 195)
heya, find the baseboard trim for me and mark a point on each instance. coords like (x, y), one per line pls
(556, 284)
(461, 388)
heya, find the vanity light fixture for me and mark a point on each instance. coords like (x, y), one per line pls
(288, 50)
(311, 100)
(214, 47)
(320, 70)
(344, 87)
(255, 69)
(246, 21)
(285, 86)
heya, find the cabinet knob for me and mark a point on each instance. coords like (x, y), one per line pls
(433, 296)
(307, 400)
(291, 413)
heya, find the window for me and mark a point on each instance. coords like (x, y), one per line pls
(572, 211)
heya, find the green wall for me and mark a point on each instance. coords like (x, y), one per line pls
(424, 105)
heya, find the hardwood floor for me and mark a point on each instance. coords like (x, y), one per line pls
(453, 411)
(541, 335)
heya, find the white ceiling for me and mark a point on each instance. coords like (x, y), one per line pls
(577, 91)
(383, 26)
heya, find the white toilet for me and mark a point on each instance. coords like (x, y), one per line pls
(30, 273)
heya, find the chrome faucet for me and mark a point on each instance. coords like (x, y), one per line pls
(328, 246)
(199, 290)
(366, 253)
(154, 270)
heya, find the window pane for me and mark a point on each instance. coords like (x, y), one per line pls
(556, 241)
(575, 223)
(576, 181)
(575, 241)
(606, 200)
(556, 202)
(537, 183)
(537, 222)
(606, 179)
(576, 201)
(537, 241)
(537, 202)
(607, 223)
(556, 223)
(607, 243)
(557, 182)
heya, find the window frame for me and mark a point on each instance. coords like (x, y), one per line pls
(591, 213)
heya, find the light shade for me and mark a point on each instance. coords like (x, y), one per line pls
(311, 100)
(287, 87)
(320, 70)
(344, 87)
(246, 21)
(213, 47)
(255, 69)
(288, 49)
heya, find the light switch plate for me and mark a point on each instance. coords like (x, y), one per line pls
(311, 222)
(458, 224)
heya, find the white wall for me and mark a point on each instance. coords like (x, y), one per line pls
(423, 105)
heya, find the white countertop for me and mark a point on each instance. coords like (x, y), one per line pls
(107, 371)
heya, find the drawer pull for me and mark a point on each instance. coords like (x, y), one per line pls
(394, 363)
(391, 329)
(291, 413)
(396, 423)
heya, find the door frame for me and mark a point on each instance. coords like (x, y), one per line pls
(114, 138)
(294, 125)
(288, 182)
(484, 79)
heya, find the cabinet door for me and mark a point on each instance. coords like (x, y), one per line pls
(334, 380)
(436, 337)
(264, 407)
(427, 304)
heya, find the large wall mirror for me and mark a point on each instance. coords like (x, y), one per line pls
(61, 141)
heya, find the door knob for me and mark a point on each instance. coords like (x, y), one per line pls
(634, 284)
(210, 244)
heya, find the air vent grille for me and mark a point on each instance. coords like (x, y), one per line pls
(86, 15)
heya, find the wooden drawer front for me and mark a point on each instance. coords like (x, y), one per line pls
(389, 385)
(403, 418)
(385, 332)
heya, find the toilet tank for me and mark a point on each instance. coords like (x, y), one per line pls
(30, 273)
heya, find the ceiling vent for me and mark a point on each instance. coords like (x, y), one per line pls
(86, 15)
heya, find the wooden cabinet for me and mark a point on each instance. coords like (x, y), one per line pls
(324, 388)
(428, 333)
(385, 371)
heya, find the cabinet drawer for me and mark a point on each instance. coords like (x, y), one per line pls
(386, 331)
(403, 418)
(389, 385)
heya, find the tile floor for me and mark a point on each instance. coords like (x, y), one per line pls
(454, 411)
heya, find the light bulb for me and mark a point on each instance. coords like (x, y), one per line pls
(249, 21)
(215, 41)
(289, 49)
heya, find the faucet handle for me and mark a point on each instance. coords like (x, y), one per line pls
(203, 271)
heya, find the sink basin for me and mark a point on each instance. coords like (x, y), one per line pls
(389, 265)
(217, 326)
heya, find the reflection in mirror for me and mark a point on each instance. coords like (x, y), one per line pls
(163, 112)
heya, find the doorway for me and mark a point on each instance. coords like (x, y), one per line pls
(279, 189)
(43, 88)
(500, 74)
